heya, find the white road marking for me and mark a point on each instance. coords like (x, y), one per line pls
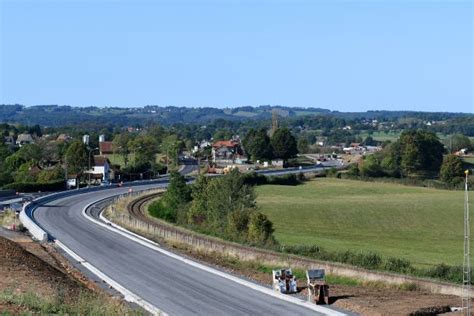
(154, 246)
(128, 295)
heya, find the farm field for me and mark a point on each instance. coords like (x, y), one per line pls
(422, 225)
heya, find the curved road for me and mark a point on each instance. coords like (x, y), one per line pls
(169, 284)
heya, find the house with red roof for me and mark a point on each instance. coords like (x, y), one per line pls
(106, 148)
(226, 150)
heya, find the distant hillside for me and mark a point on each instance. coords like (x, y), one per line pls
(54, 115)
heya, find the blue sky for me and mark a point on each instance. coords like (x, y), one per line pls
(341, 55)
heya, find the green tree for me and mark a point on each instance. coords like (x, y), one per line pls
(457, 142)
(238, 224)
(24, 174)
(284, 144)
(214, 200)
(369, 141)
(198, 212)
(370, 167)
(418, 153)
(391, 159)
(145, 148)
(172, 147)
(55, 174)
(29, 152)
(121, 144)
(222, 134)
(257, 145)
(303, 145)
(173, 204)
(451, 169)
(77, 157)
(260, 229)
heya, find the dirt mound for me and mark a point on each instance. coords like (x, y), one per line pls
(21, 271)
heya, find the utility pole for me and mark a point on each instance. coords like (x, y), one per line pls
(90, 151)
(466, 280)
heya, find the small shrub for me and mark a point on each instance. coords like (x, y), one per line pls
(255, 179)
(333, 173)
(312, 251)
(398, 265)
(260, 229)
(445, 272)
(288, 179)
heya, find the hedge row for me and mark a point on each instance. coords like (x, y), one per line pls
(260, 179)
(373, 261)
(418, 182)
(35, 186)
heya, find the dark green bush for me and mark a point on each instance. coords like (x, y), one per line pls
(36, 186)
(312, 251)
(288, 179)
(398, 265)
(445, 272)
(254, 179)
(161, 210)
(260, 179)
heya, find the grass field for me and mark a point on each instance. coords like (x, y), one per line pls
(382, 136)
(422, 225)
(393, 136)
(117, 159)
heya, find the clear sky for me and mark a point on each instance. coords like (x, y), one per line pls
(341, 55)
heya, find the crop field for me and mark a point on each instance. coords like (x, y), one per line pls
(422, 225)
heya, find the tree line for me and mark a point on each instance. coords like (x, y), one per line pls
(416, 154)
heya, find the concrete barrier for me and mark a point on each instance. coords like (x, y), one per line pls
(35, 230)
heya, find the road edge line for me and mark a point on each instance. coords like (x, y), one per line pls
(154, 246)
(128, 295)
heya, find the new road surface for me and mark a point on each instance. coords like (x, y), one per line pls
(171, 285)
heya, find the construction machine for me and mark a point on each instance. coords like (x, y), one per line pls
(318, 290)
(284, 281)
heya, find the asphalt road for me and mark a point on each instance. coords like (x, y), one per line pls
(171, 285)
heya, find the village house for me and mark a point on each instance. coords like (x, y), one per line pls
(201, 145)
(106, 148)
(9, 141)
(100, 171)
(24, 139)
(227, 150)
(63, 138)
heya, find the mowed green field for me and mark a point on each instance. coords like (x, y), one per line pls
(422, 225)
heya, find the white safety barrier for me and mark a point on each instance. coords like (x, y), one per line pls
(37, 232)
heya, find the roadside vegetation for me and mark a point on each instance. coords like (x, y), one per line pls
(223, 207)
(84, 304)
(8, 218)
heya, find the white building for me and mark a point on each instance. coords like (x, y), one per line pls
(101, 169)
(24, 139)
